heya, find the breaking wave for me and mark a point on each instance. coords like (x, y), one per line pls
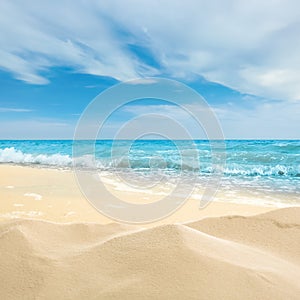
(145, 163)
(12, 155)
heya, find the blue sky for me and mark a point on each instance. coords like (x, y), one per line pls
(243, 58)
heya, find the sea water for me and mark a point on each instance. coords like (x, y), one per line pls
(263, 172)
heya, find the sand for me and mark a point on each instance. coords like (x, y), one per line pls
(226, 251)
(53, 195)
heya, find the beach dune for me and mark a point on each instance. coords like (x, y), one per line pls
(230, 257)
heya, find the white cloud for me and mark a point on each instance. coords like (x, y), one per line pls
(142, 81)
(265, 120)
(250, 46)
(240, 44)
(36, 129)
(38, 36)
(9, 109)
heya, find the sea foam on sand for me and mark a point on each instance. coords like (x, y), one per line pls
(230, 257)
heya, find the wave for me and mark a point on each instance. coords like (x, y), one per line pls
(12, 155)
(277, 170)
(146, 164)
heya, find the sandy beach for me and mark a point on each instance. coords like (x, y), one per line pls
(149, 150)
(55, 245)
(53, 195)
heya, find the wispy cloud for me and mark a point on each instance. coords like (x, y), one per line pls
(250, 46)
(36, 129)
(142, 81)
(39, 36)
(265, 119)
(17, 110)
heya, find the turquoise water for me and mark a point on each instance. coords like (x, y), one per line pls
(268, 166)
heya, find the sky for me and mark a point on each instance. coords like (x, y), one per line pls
(243, 57)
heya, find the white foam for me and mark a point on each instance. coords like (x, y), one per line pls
(11, 155)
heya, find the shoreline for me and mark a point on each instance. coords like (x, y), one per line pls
(53, 195)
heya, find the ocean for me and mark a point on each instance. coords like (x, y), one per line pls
(265, 172)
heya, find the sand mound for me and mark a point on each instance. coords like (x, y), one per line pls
(42, 260)
(277, 232)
